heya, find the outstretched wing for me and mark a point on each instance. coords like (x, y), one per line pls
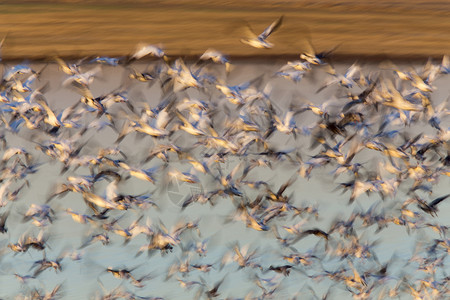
(438, 200)
(248, 31)
(272, 28)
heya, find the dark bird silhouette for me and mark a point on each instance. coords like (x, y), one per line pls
(431, 208)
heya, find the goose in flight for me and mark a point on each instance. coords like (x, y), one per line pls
(312, 57)
(260, 40)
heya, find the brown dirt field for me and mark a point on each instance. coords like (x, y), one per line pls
(70, 28)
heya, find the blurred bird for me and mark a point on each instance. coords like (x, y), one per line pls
(260, 41)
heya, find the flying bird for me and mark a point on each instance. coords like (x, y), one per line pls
(260, 40)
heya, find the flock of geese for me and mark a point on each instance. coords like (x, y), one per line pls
(382, 141)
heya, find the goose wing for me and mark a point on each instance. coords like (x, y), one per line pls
(272, 28)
